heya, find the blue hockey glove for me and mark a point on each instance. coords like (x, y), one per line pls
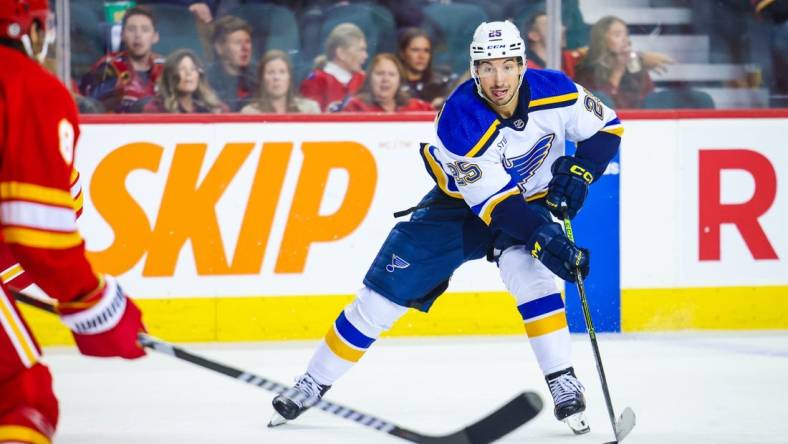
(550, 245)
(569, 185)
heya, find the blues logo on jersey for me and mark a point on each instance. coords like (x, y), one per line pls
(523, 167)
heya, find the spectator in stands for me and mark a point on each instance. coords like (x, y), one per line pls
(383, 89)
(571, 17)
(121, 79)
(86, 105)
(776, 13)
(425, 82)
(275, 88)
(231, 74)
(535, 31)
(201, 10)
(613, 67)
(338, 74)
(183, 88)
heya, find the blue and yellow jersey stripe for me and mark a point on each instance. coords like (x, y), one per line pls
(549, 89)
(466, 126)
(544, 315)
(485, 141)
(485, 209)
(346, 341)
(435, 170)
(614, 127)
(552, 102)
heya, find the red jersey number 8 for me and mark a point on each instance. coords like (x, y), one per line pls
(65, 132)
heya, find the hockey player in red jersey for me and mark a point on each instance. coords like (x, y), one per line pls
(11, 273)
(38, 133)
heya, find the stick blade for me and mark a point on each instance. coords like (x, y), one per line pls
(625, 424)
(523, 408)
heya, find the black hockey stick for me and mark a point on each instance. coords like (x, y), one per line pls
(626, 422)
(492, 427)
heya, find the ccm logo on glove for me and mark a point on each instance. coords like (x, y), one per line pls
(582, 172)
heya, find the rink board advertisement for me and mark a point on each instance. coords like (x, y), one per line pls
(247, 228)
(704, 203)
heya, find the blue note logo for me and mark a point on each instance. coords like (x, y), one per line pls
(397, 262)
(523, 167)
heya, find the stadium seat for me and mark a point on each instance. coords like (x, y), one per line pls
(88, 36)
(309, 22)
(273, 27)
(451, 27)
(495, 10)
(571, 16)
(177, 29)
(679, 98)
(375, 21)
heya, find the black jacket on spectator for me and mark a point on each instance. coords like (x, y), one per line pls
(235, 92)
(437, 84)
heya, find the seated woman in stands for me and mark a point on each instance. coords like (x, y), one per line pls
(275, 88)
(426, 82)
(338, 73)
(182, 87)
(383, 90)
(612, 67)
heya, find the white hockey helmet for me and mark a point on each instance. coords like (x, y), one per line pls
(496, 40)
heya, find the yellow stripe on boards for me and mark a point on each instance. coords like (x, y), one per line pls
(722, 308)
(546, 325)
(338, 346)
(41, 239)
(273, 318)
(20, 434)
(234, 319)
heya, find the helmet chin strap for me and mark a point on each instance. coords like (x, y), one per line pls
(28, 44)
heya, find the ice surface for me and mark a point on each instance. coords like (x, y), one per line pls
(685, 388)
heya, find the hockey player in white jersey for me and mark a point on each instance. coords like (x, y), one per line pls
(502, 177)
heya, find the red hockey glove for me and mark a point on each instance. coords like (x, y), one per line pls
(105, 323)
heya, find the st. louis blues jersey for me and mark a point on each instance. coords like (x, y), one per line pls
(484, 158)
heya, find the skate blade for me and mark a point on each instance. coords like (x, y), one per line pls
(578, 423)
(277, 420)
(625, 424)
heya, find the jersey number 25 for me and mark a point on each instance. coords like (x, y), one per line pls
(464, 172)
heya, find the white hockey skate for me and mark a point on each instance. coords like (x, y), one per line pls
(570, 404)
(288, 405)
